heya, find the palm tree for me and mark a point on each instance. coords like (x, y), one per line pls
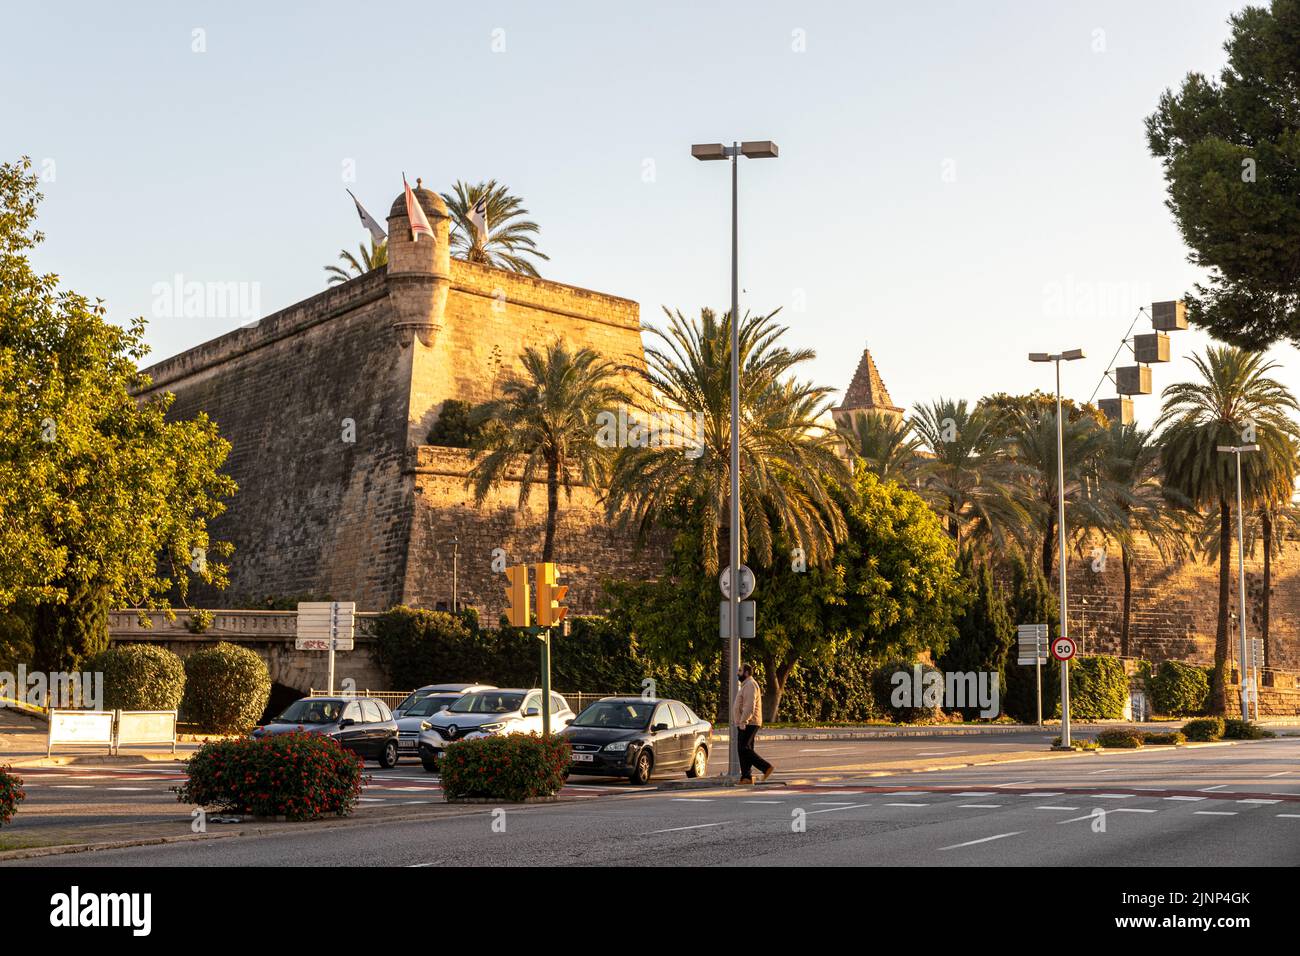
(1233, 401)
(789, 462)
(510, 237)
(885, 444)
(966, 477)
(368, 260)
(546, 422)
(1139, 507)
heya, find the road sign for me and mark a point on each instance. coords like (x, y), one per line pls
(746, 582)
(1031, 644)
(748, 619)
(1256, 653)
(1063, 648)
(320, 622)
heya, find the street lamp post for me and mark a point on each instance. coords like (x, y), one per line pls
(1058, 358)
(754, 149)
(455, 574)
(1241, 575)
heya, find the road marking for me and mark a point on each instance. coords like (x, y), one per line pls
(1281, 773)
(1259, 801)
(974, 793)
(1044, 793)
(1113, 796)
(1109, 770)
(1013, 783)
(128, 789)
(1000, 836)
(1290, 816)
(72, 786)
(833, 803)
(1087, 816)
(1215, 813)
(1217, 786)
(826, 750)
(693, 799)
(834, 809)
(763, 801)
(1184, 798)
(1132, 810)
(907, 804)
(698, 826)
(979, 806)
(1056, 808)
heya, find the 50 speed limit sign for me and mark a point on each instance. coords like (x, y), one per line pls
(1063, 648)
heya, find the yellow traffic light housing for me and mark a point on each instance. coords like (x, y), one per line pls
(517, 595)
(549, 595)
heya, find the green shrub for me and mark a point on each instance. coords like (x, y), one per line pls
(1077, 743)
(11, 794)
(511, 767)
(1098, 689)
(1179, 690)
(1174, 738)
(416, 647)
(1204, 730)
(836, 688)
(226, 688)
(199, 621)
(1120, 738)
(298, 776)
(888, 688)
(140, 677)
(1236, 729)
(456, 426)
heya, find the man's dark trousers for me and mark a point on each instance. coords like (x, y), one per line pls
(745, 748)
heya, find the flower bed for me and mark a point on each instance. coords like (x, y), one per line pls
(11, 794)
(512, 767)
(296, 776)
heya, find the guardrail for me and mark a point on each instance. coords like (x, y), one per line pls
(113, 729)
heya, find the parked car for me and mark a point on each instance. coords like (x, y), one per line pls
(417, 695)
(486, 712)
(416, 719)
(635, 737)
(363, 725)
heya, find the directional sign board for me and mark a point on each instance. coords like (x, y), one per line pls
(1063, 648)
(319, 621)
(746, 582)
(748, 620)
(1031, 644)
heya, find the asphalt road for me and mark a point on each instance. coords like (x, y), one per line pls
(1235, 805)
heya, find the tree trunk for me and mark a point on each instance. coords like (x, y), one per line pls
(1048, 544)
(1126, 562)
(774, 678)
(1266, 528)
(1219, 692)
(552, 509)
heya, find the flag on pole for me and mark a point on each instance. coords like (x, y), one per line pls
(419, 221)
(478, 216)
(376, 231)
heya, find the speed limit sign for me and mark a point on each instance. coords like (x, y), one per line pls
(1063, 648)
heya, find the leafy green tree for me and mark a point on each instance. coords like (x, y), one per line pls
(1229, 152)
(510, 242)
(455, 427)
(1233, 402)
(546, 426)
(1030, 601)
(367, 260)
(105, 502)
(985, 634)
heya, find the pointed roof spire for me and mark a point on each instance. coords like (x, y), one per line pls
(867, 392)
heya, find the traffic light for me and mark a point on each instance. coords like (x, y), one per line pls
(549, 595)
(517, 595)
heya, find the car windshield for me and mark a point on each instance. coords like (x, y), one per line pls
(413, 698)
(616, 714)
(430, 705)
(312, 711)
(487, 702)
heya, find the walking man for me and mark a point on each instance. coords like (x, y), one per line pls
(748, 718)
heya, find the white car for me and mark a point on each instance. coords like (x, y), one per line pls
(485, 713)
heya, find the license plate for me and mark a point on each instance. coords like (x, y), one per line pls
(583, 758)
(407, 745)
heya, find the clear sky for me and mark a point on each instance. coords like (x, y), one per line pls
(959, 183)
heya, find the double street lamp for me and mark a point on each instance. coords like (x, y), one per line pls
(753, 149)
(1241, 574)
(1058, 358)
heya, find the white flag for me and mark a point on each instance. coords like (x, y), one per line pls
(478, 216)
(376, 231)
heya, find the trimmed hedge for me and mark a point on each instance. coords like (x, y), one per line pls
(1204, 730)
(1179, 690)
(11, 794)
(297, 776)
(1119, 738)
(513, 767)
(140, 677)
(887, 688)
(1098, 689)
(226, 688)
(1173, 739)
(1236, 729)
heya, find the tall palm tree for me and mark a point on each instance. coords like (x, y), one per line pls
(966, 477)
(368, 260)
(545, 426)
(788, 461)
(1233, 401)
(510, 238)
(886, 444)
(1139, 507)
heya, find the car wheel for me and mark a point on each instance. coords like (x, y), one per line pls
(388, 756)
(699, 764)
(643, 768)
(430, 764)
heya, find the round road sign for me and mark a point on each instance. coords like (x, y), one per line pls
(1063, 648)
(746, 582)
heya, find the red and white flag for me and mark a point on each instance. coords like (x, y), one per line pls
(419, 221)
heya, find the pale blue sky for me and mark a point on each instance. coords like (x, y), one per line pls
(959, 183)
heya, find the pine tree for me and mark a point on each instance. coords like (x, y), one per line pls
(985, 634)
(1031, 601)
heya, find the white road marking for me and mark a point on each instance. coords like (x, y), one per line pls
(1056, 808)
(1087, 816)
(1108, 770)
(72, 786)
(1290, 816)
(1259, 801)
(763, 801)
(979, 806)
(833, 803)
(1217, 786)
(698, 826)
(1043, 793)
(1185, 798)
(907, 804)
(1000, 836)
(1215, 813)
(1281, 773)
(974, 793)
(1113, 796)
(834, 809)
(1013, 783)
(128, 789)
